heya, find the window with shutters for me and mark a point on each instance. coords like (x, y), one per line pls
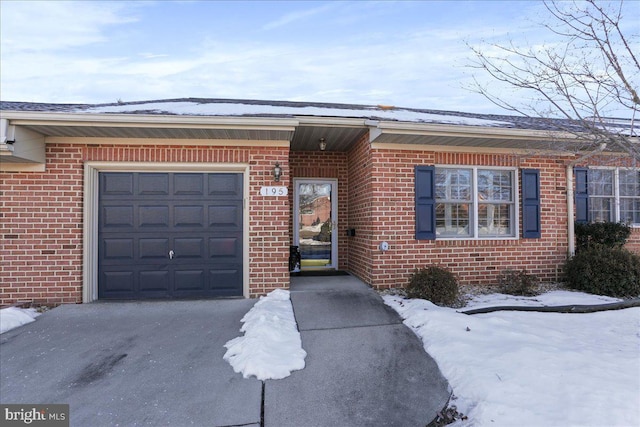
(475, 202)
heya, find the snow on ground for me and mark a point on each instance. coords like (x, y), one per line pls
(511, 368)
(12, 317)
(547, 299)
(271, 347)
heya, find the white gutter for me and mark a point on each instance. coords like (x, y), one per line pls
(570, 196)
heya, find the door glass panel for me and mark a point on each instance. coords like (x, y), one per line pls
(315, 224)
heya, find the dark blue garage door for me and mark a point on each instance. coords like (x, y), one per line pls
(169, 235)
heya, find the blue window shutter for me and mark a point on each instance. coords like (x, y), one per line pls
(425, 203)
(582, 195)
(531, 224)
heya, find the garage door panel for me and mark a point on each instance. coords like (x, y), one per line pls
(153, 184)
(189, 216)
(227, 216)
(154, 248)
(192, 248)
(225, 185)
(189, 280)
(188, 184)
(118, 282)
(225, 279)
(154, 281)
(118, 249)
(225, 247)
(117, 184)
(117, 216)
(153, 216)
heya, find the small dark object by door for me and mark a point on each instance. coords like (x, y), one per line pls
(294, 259)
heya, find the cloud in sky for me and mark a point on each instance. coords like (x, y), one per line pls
(42, 26)
(291, 17)
(410, 54)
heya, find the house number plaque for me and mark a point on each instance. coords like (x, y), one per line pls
(274, 191)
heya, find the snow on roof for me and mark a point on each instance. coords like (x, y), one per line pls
(193, 108)
(213, 107)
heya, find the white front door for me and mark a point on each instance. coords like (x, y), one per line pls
(315, 222)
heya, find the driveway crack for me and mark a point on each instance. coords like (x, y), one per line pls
(262, 406)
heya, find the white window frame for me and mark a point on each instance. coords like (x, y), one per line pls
(616, 191)
(473, 216)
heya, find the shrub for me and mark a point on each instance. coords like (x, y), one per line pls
(604, 270)
(611, 234)
(517, 282)
(435, 284)
(325, 232)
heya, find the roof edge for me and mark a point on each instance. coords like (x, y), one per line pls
(141, 120)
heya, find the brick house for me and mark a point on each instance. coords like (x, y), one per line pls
(203, 198)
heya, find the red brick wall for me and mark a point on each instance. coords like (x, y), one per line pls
(474, 261)
(41, 218)
(324, 165)
(633, 244)
(269, 223)
(361, 245)
(41, 230)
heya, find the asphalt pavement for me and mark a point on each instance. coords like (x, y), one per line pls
(160, 363)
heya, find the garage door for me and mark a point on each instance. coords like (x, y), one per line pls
(169, 235)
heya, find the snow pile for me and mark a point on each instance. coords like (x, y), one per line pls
(271, 347)
(12, 317)
(552, 298)
(532, 369)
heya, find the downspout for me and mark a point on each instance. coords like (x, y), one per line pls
(570, 196)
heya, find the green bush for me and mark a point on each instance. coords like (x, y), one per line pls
(611, 234)
(605, 270)
(435, 284)
(517, 282)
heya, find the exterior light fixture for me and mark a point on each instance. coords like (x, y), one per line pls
(277, 172)
(323, 144)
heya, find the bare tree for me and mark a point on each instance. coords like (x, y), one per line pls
(577, 84)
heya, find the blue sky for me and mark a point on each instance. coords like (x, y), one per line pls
(403, 53)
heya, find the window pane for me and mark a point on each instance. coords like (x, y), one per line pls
(600, 209)
(629, 183)
(600, 182)
(494, 219)
(630, 211)
(452, 219)
(453, 184)
(494, 185)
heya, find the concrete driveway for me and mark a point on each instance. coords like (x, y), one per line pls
(161, 363)
(127, 364)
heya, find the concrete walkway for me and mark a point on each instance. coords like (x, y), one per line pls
(364, 367)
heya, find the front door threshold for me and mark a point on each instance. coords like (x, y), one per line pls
(324, 272)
